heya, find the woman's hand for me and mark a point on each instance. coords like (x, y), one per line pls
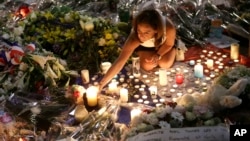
(153, 60)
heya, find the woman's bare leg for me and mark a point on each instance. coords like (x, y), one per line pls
(168, 59)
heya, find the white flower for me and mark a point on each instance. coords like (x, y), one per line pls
(164, 125)
(177, 116)
(33, 16)
(18, 30)
(101, 42)
(161, 111)
(89, 26)
(151, 119)
(23, 66)
(115, 35)
(6, 36)
(35, 110)
(190, 116)
(68, 18)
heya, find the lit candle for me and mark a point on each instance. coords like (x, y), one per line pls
(91, 95)
(163, 77)
(85, 76)
(144, 97)
(179, 78)
(210, 63)
(153, 90)
(140, 101)
(135, 113)
(112, 87)
(124, 95)
(234, 51)
(105, 67)
(198, 70)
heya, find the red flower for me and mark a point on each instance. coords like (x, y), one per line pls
(76, 94)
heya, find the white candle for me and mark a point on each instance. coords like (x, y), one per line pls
(124, 95)
(198, 70)
(163, 77)
(112, 87)
(105, 67)
(91, 95)
(140, 101)
(153, 90)
(85, 76)
(210, 63)
(234, 51)
(135, 113)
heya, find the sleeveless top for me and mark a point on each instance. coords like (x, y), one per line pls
(151, 42)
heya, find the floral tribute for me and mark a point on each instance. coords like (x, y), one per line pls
(81, 39)
(172, 116)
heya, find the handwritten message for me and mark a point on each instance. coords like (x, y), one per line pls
(213, 133)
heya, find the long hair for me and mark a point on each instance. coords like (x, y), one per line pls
(154, 19)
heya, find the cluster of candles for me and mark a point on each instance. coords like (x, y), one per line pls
(165, 83)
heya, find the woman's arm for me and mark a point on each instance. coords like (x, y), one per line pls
(170, 40)
(127, 49)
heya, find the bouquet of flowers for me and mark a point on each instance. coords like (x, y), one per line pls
(82, 40)
(171, 117)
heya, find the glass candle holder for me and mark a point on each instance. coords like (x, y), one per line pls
(179, 78)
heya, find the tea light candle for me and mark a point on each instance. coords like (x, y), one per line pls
(144, 97)
(144, 76)
(137, 86)
(153, 90)
(124, 95)
(212, 75)
(136, 80)
(146, 102)
(234, 51)
(179, 94)
(189, 90)
(220, 67)
(147, 81)
(236, 61)
(85, 76)
(135, 113)
(91, 95)
(162, 100)
(136, 96)
(218, 53)
(163, 77)
(155, 100)
(210, 63)
(175, 86)
(198, 70)
(121, 79)
(204, 51)
(202, 56)
(224, 56)
(112, 87)
(158, 104)
(217, 62)
(198, 61)
(172, 90)
(215, 57)
(211, 52)
(140, 101)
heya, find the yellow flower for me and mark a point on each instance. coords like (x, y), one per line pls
(110, 43)
(108, 36)
(89, 26)
(81, 24)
